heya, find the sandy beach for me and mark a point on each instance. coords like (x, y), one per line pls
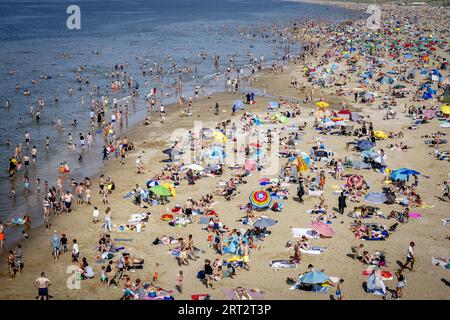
(429, 234)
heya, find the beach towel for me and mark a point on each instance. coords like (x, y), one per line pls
(313, 250)
(427, 206)
(230, 294)
(308, 233)
(201, 296)
(415, 215)
(280, 264)
(203, 220)
(123, 239)
(441, 261)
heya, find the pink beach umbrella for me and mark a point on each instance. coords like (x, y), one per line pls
(322, 229)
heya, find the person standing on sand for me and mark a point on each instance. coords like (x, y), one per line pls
(410, 256)
(75, 251)
(180, 281)
(401, 283)
(42, 283)
(300, 191)
(107, 220)
(2, 235)
(341, 203)
(55, 244)
(68, 201)
(338, 295)
(11, 264)
(139, 165)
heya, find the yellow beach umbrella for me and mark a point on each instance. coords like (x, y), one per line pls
(219, 137)
(322, 104)
(445, 109)
(169, 186)
(380, 134)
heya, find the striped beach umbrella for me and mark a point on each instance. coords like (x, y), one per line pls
(322, 229)
(260, 199)
(152, 183)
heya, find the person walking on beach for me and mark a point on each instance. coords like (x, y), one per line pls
(300, 191)
(401, 283)
(11, 264)
(107, 220)
(18, 258)
(410, 256)
(75, 251)
(55, 244)
(341, 203)
(42, 284)
(139, 165)
(95, 215)
(209, 274)
(245, 254)
(68, 201)
(338, 295)
(2, 235)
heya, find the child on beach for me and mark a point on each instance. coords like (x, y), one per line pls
(180, 281)
(155, 274)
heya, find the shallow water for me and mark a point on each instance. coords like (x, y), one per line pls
(34, 34)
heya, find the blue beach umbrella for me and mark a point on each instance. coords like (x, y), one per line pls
(152, 183)
(217, 154)
(403, 173)
(314, 277)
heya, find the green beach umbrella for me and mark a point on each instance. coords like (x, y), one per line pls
(160, 190)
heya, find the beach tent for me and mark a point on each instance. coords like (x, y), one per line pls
(364, 144)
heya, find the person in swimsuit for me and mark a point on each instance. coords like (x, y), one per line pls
(11, 264)
(338, 295)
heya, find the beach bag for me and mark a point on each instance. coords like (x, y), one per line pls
(201, 275)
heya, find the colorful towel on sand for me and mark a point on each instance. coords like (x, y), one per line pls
(308, 233)
(415, 215)
(230, 294)
(280, 264)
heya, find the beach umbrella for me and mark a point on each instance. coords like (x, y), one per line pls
(273, 104)
(380, 134)
(445, 109)
(322, 228)
(375, 197)
(364, 144)
(356, 181)
(255, 145)
(314, 277)
(160, 190)
(345, 111)
(250, 165)
(238, 105)
(264, 223)
(217, 154)
(219, 136)
(171, 188)
(152, 183)
(260, 199)
(322, 104)
(403, 173)
(195, 167)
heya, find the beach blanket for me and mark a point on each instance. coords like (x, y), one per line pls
(308, 233)
(415, 215)
(441, 261)
(203, 220)
(313, 250)
(123, 239)
(280, 264)
(316, 193)
(230, 294)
